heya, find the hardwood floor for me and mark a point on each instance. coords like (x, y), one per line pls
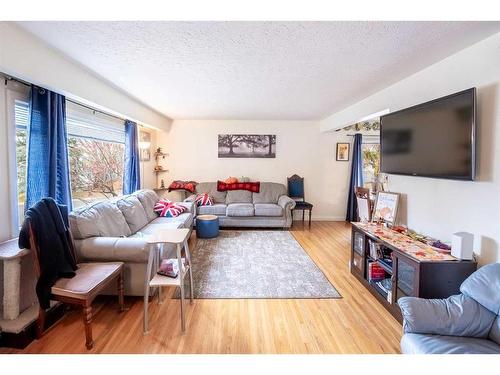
(357, 323)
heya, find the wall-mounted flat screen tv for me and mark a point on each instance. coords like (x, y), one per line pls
(433, 139)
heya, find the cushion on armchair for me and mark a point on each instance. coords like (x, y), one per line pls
(484, 286)
(457, 315)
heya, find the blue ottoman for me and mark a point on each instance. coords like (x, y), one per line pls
(207, 226)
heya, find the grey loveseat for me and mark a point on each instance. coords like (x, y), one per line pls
(271, 207)
(114, 230)
(467, 323)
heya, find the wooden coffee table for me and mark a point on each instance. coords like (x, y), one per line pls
(178, 237)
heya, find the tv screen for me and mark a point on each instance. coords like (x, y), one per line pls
(433, 139)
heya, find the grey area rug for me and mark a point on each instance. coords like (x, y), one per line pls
(255, 264)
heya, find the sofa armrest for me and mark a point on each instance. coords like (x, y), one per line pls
(457, 315)
(191, 198)
(288, 204)
(105, 249)
(189, 205)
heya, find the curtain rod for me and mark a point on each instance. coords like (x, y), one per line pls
(364, 135)
(10, 78)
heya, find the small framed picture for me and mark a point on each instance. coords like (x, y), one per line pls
(145, 155)
(343, 151)
(386, 207)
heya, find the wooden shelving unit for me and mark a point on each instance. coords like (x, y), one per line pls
(408, 276)
(159, 155)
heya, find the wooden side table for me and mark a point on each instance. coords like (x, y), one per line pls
(178, 237)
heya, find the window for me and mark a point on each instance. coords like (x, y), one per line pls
(371, 164)
(96, 147)
(21, 120)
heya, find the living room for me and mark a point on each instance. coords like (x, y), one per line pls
(250, 186)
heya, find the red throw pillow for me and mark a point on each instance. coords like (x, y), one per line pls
(204, 200)
(254, 187)
(166, 208)
(183, 185)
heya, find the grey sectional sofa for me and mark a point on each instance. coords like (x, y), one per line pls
(468, 323)
(271, 207)
(115, 230)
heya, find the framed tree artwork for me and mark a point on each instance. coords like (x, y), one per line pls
(343, 151)
(246, 146)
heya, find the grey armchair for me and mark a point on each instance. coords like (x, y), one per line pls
(467, 323)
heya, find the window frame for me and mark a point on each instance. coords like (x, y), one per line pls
(13, 91)
(369, 142)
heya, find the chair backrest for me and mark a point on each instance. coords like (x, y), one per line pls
(295, 186)
(363, 204)
(36, 249)
(484, 286)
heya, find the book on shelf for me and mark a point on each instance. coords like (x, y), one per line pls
(385, 285)
(375, 272)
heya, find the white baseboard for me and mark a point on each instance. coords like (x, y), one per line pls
(322, 218)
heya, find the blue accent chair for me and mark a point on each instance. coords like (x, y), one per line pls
(296, 192)
(467, 323)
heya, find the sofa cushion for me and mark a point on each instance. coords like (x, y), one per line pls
(204, 200)
(495, 330)
(148, 199)
(218, 209)
(211, 189)
(154, 227)
(167, 208)
(269, 192)
(133, 211)
(239, 196)
(268, 209)
(483, 286)
(102, 219)
(240, 209)
(106, 249)
(184, 220)
(416, 343)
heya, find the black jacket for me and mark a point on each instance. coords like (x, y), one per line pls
(56, 253)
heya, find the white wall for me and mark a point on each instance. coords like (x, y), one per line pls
(148, 177)
(300, 149)
(441, 207)
(24, 56)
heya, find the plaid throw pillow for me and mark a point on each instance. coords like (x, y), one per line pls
(204, 200)
(183, 185)
(166, 208)
(254, 187)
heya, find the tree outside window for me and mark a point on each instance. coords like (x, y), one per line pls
(371, 164)
(96, 169)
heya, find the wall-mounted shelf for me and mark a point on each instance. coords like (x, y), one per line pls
(163, 155)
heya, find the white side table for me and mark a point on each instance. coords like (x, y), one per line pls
(178, 237)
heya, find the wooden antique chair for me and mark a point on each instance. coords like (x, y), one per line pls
(81, 290)
(296, 192)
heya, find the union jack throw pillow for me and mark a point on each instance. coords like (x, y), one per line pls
(166, 208)
(204, 200)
